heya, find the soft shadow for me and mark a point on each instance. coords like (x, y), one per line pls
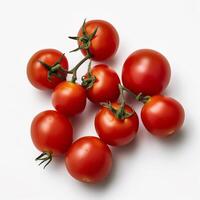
(117, 153)
(130, 100)
(57, 163)
(174, 85)
(58, 160)
(168, 91)
(112, 62)
(176, 139)
(82, 119)
(126, 150)
(42, 94)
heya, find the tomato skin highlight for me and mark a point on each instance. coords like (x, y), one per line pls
(114, 131)
(69, 98)
(38, 74)
(106, 41)
(51, 132)
(146, 71)
(106, 84)
(162, 116)
(89, 160)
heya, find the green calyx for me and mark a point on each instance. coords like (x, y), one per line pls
(140, 97)
(55, 70)
(44, 157)
(85, 39)
(89, 80)
(120, 113)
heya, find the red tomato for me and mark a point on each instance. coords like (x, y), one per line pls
(51, 132)
(38, 73)
(162, 116)
(146, 71)
(105, 42)
(89, 160)
(105, 86)
(114, 131)
(69, 98)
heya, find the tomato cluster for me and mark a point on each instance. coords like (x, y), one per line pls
(145, 75)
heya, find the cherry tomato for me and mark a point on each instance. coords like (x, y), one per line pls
(89, 160)
(47, 68)
(114, 131)
(146, 71)
(105, 42)
(51, 132)
(69, 98)
(162, 116)
(103, 84)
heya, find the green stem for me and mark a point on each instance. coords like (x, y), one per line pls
(139, 97)
(109, 106)
(74, 70)
(121, 111)
(88, 80)
(85, 41)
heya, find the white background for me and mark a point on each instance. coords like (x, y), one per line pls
(149, 168)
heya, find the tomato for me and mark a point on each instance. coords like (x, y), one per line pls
(89, 160)
(102, 84)
(146, 71)
(69, 98)
(114, 131)
(51, 132)
(105, 42)
(162, 116)
(47, 68)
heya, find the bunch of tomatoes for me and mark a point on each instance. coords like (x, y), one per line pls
(145, 75)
